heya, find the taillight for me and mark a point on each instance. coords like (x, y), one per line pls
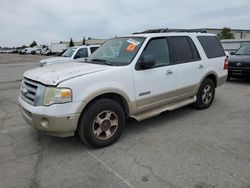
(226, 63)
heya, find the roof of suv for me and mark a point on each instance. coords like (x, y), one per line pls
(170, 34)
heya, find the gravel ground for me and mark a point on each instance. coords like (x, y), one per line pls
(182, 148)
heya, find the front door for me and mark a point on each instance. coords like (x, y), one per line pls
(154, 86)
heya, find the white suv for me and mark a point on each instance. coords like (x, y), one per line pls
(137, 76)
(77, 52)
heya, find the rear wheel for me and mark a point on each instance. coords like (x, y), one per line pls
(102, 123)
(205, 94)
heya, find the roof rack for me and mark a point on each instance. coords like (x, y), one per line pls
(166, 30)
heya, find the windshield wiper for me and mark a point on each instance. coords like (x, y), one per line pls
(102, 61)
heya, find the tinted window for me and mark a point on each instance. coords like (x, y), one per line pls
(196, 55)
(244, 50)
(184, 49)
(83, 52)
(92, 49)
(212, 47)
(159, 49)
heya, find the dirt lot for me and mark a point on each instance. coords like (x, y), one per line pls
(183, 148)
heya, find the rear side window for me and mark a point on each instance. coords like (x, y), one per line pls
(184, 49)
(212, 46)
(92, 49)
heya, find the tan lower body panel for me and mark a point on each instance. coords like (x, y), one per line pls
(166, 98)
(221, 80)
(169, 107)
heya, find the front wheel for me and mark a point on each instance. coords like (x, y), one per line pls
(102, 123)
(205, 94)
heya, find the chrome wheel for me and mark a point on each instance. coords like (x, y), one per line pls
(207, 94)
(105, 125)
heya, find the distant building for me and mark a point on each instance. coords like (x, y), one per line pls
(238, 33)
(231, 45)
(87, 42)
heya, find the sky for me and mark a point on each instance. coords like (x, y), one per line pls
(46, 21)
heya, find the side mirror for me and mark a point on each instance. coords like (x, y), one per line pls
(147, 61)
(232, 53)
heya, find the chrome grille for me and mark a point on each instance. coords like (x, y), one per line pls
(29, 90)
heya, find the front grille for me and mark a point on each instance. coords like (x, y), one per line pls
(29, 90)
(239, 64)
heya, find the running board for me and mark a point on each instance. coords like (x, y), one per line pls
(169, 107)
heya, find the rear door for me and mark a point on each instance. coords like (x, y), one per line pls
(190, 67)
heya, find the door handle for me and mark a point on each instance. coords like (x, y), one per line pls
(169, 72)
(200, 66)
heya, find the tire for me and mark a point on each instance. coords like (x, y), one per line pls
(102, 123)
(205, 94)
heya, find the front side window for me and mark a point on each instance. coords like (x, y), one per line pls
(83, 52)
(244, 50)
(69, 52)
(158, 48)
(117, 51)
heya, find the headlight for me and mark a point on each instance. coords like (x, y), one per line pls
(55, 95)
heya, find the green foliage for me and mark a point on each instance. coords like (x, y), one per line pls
(226, 34)
(33, 44)
(71, 43)
(23, 46)
(83, 41)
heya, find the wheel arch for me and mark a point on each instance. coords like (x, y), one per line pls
(117, 95)
(211, 75)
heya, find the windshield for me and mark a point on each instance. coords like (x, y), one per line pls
(69, 52)
(244, 50)
(117, 51)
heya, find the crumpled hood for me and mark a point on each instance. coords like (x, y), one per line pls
(57, 73)
(53, 59)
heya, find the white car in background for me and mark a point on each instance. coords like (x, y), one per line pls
(77, 52)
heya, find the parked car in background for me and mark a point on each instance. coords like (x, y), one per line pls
(32, 51)
(78, 52)
(239, 63)
(45, 51)
(139, 76)
(61, 53)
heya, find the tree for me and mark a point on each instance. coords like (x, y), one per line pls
(83, 41)
(226, 34)
(23, 46)
(71, 43)
(33, 44)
